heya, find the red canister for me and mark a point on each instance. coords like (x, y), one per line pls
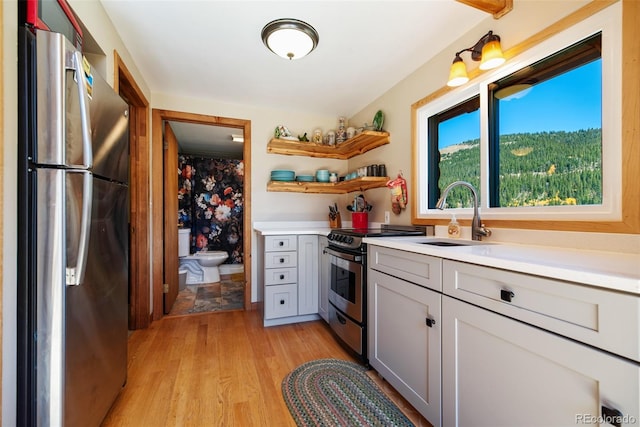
(360, 220)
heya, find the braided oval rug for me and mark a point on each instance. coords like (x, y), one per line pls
(332, 392)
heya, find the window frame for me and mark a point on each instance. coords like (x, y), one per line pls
(608, 22)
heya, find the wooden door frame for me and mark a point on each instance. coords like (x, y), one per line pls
(139, 172)
(158, 116)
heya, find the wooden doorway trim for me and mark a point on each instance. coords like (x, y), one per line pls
(157, 252)
(139, 261)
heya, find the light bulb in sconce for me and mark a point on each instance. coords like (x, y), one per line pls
(458, 73)
(492, 56)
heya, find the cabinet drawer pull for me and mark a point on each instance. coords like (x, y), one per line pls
(281, 260)
(430, 322)
(281, 302)
(281, 243)
(612, 416)
(506, 295)
(282, 277)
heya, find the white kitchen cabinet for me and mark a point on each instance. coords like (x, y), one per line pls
(501, 372)
(588, 314)
(323, 285)
(404, 338)
(281, 301)
(290, 279)
(308, 274)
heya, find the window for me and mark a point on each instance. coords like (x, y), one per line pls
(545, 131)
(539, 138)
(454, 152)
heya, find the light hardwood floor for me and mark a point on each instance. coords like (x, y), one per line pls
(221, 369)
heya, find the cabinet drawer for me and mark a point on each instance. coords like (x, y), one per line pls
(280, 259)
(280, 301)
(279, 276)
(420, 269)
(280, 243)
(608, 320)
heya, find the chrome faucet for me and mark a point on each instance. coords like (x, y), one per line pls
(477, 227)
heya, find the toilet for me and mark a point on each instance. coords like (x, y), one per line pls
(208, 261)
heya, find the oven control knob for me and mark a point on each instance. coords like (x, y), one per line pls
(349, 239)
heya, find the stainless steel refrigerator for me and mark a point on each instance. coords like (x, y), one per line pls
(73, 236)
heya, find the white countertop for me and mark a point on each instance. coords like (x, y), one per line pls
(616, 271)
(278, 228)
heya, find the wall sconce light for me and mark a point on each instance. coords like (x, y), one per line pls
(290, 38)
(487, 50)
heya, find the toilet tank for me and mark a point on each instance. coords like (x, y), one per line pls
(184, 241)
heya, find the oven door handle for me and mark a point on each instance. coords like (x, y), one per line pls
(343, 255)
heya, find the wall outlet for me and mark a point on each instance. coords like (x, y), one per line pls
(387, 217)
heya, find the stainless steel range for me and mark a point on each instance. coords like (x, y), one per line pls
(348, 282)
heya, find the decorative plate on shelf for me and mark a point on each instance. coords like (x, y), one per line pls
(378, 121)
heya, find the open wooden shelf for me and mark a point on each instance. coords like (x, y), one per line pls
(358, 184)
(361, 143)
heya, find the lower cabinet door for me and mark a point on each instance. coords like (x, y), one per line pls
(404, 340)
(280, 301)
(501, 372)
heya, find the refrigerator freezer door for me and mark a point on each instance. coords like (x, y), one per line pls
(79, 125)
(64, 137)
(97, 310)
(109, 131)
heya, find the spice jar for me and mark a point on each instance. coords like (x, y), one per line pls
(317, 136)
(341, 133)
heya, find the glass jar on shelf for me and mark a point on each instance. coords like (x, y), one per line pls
(341, 133)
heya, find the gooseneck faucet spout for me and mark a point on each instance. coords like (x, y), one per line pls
(477, 227)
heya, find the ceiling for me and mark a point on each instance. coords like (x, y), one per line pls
(213, 49)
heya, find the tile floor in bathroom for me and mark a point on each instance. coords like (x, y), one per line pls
(228, 294)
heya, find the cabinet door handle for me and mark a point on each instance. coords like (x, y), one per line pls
(506, 295)
(282, 277)
(430, 322)
(612, 416)
(281, 302)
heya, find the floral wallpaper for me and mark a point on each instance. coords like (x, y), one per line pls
(210, 202)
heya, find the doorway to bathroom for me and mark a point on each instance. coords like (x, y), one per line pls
(206, 191)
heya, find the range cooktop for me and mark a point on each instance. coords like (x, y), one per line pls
(351, 238)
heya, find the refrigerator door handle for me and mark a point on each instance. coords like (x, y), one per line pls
(85, 118)
(75, 275)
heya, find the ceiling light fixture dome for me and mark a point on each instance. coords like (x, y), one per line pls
(290, 38)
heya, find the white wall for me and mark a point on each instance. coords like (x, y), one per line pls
(526, 18)
(8, 232)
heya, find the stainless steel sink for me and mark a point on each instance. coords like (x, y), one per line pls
(451, 242)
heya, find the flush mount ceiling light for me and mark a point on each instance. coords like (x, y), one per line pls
(487, 50)
(237, 138)
(290, 38)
